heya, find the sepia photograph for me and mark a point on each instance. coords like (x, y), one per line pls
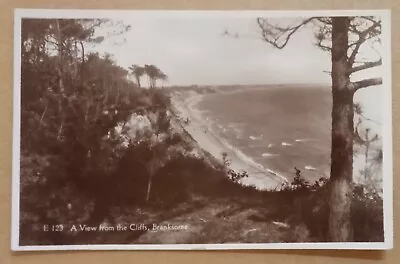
(185, 130)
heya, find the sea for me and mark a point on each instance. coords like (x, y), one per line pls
(280, 127)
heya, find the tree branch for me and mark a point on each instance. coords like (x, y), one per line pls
(268, 31)
(362, 37)
(366, 83)
(322, 46)
(83, 61)
(366, 65)
(355, 50)
(328, 72)
(325, 20)
(369, 18)
(369, 119)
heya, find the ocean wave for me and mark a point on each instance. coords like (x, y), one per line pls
(309, 167)
(220, 127)
(241, 155)
(251, 164)
(277, 174)
(236, 129)
(235, 125)
(255, 137)
(268, 154)
(238, 134)
(303, 139)
(250, 161)
(286, 144)
(270, 145)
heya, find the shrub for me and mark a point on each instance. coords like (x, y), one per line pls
(311, 204)
(237, 176)
(170, 185)
(225, 161)
(233, 175)
(367, 215)
(173, 139)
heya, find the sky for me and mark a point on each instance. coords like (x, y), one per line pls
(194, 51)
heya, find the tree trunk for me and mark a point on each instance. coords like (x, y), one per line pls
(340, 228)
(60, 69)
(367, 144)
(149, 188)
(151, 170)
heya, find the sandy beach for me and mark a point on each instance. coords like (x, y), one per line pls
(198, 128)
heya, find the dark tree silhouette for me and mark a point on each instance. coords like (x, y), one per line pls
(137, 72)
(154, 74)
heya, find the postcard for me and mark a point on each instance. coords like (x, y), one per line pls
(202, 130)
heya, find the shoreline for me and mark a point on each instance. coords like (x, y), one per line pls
(198, 128)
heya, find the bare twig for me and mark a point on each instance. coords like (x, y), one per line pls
(322, 46)
(60, 130)
(328, 72)
(272, 37)
(44, 112)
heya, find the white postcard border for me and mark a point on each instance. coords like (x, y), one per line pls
(117, 14)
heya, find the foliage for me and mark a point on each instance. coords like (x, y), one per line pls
(311, 202)
(225, 160)
(232, 174)
(153, 73)
(72, 158)
(300, 183)
(367, 215)
(237, 176)
(137, 71)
